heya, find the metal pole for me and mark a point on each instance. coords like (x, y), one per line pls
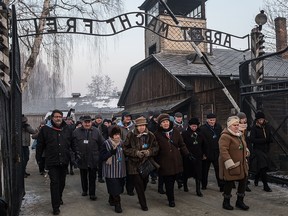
(204, 60)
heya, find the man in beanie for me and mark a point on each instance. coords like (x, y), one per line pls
(261, 137)
(140, 145)
(126, 125)
(55, 138)
(211, 131)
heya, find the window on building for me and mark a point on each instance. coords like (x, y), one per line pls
(205, 110)
(152, 49)
(196, 13)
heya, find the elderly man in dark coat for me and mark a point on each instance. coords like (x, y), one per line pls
(140, 145)
(171, 146)
(88, 141)
(55, 138)
(211, 131)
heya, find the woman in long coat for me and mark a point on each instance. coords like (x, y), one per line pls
(171, 149)
(260, 137)
(140, 145)
(233, 165)
(194, 141)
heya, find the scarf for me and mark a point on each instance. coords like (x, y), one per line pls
(115, 144)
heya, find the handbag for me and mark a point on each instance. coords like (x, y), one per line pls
(146, 168)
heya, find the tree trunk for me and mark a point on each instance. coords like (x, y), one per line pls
(36, 46)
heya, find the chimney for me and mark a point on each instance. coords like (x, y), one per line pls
(281, 35)
(76, 95)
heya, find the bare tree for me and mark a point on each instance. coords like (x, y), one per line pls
(56, 54)
(273, 9)
(101, 86)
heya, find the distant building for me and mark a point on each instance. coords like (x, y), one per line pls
(36, 110)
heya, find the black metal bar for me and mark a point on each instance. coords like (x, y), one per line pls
(169, 12)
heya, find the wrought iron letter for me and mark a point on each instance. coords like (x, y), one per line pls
(89, 23)
(208, 36)
(142, 20)
(126, 19)
(164, 27)
(112, 25)
(51, 23)
(184, 30)
(227, 41)
(153, 24)
(217, 37)
(71, 23)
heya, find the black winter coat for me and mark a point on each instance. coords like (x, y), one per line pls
(211, 136)
(260, 137)
(88, 144)
(57, 144)
(195, 143)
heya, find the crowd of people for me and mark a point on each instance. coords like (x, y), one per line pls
(178, 150)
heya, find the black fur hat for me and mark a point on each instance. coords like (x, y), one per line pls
(194, 121)
(259, 115)
(114, 130)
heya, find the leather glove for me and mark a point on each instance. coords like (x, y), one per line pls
(146, 153)
(140, 154)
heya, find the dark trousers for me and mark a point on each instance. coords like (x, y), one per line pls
(160, 182)
(228, 185)
(25, 157)
(41, 164)
(169, 182)
(57, 175)
(129, 182)
(100, 169)
(88, 177)
(140, 187)
(205, 171)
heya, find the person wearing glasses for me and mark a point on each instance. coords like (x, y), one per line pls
(55, 139)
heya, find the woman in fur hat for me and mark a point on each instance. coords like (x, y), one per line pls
(261, 137)
(233, 165)
(140, 145)
(194, 141)
(171, 149)
(114, 169)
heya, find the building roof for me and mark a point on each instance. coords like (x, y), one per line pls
(224, 62)
(80, 104)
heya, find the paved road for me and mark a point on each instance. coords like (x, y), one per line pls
(37, 200)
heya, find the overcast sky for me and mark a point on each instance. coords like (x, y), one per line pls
(127, 49)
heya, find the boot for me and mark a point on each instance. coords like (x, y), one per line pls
(239, 203)
(267, 188)
(198, 191)
(118, 208)
(111, 200)
(226, 202)
(185, 185)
